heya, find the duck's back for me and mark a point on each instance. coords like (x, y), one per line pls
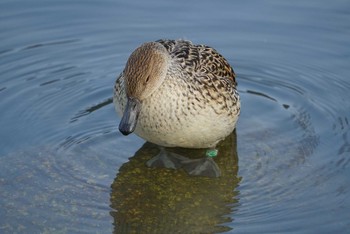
(199, 59)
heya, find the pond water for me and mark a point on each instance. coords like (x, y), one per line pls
(65, 168)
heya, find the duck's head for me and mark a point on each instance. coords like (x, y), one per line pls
(144, 72)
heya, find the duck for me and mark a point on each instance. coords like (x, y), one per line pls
(174, 93)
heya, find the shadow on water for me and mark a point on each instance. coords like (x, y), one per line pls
(91, 109)
(160, 200)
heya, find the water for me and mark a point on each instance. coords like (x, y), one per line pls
(65, 168)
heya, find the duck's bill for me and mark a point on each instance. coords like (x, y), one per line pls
(131, 113)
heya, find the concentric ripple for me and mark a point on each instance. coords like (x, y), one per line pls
(286, 149)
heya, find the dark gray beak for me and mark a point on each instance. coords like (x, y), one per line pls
(131, 113)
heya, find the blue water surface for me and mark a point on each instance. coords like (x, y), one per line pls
(65, 168)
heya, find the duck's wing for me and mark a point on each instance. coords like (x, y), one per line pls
(200, 60)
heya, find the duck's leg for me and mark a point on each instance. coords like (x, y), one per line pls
(166, 159)
(204, 166)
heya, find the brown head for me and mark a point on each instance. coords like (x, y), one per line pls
(144, 72)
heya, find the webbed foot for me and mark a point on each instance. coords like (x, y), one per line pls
(195, 167)
(167, 160)
(201, 167)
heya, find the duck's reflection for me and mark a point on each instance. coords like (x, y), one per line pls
(161, 200)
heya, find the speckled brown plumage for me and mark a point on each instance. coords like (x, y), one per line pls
(188, 99)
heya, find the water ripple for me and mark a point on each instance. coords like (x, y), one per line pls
(50, 43)
(284, 152)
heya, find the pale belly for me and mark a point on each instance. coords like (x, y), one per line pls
(182, 124)
(191, 132)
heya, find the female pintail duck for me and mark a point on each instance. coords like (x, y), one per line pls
(177, 94)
